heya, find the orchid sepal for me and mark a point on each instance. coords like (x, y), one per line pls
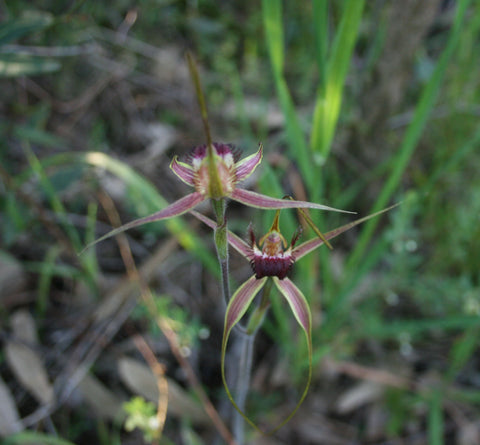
(237, 307)
(301, 310)
(177, 208)
(308, 246)
(183, 171)
(299, 251)
(234, 240)
(245, 167)
(260, 201)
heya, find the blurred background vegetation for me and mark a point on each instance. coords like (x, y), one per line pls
(358, 105)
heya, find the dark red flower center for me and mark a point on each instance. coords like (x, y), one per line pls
(272, 266)
(274, 260)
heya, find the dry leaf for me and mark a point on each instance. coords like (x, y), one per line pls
(12, 279)
(103, 401)
(469, 434)
(360, 394)
(141, 380)
(10, 422)
(25, 363)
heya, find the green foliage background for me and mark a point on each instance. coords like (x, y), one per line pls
(357, 104)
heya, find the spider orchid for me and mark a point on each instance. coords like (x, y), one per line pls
(273, 260)
(214, 171)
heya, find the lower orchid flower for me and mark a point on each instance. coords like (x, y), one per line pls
(272, 261)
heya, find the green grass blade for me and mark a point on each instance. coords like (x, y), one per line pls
(462, 351)
(31, 438)
(413, 133)
(457, 156)
(15, 29)
(415, 328)
(272, 19)
(320, 21)
(435, 419)
(329, 98)
(55, 202)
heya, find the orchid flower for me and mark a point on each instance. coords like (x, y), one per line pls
(272, 260)
(214, 171)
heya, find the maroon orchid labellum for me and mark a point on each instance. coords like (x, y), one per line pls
(273, 259)
(215, 171)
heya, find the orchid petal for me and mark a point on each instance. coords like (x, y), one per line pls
(246, 166)
(308, 246)
(235, 241)
(177, 208)
(298, 303)
(301, 311)
(236, 308)
(240, 302)
(183, 171)
(257, 200)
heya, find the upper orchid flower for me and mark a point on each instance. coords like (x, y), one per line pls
(215, 171)
(272, 259)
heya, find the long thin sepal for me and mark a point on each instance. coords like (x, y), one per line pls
(177, 208)
(237, 307)
(259, 201)
(299, 306)
(308, 246)
(235, 241)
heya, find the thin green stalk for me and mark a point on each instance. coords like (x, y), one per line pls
(221, 244)
(413, 134)
(435, 419)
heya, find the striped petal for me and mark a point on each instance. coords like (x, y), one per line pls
(239, 304)
(177, 208)
(259, 201)
(308, 246)
(298, 303)
(183, 171)
(235, 241)
(237, 307)
(301, 311)
(245, 167)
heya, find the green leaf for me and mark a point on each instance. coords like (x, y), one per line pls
(329, 97)
(32, 438)
(435, 419)
(15, 29)
(413, 133)
(15, 65)
(153, 200)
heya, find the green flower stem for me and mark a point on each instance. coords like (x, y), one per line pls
(246, 347)
(221, 244)
(243, 384)
(246, 359)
